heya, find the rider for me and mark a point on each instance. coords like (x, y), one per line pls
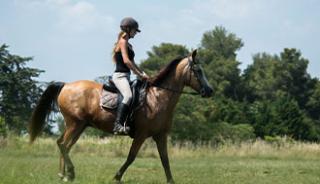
(123, 56)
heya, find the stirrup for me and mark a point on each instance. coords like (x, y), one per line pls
(121, 130)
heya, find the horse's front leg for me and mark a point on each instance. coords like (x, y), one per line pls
(161, 141)
(136, 145)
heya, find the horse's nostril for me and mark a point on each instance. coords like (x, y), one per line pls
(210, 90)
(203, 92)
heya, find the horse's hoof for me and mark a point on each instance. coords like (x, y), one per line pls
(69, 175)
(60, 175)
(117, 179)
(65, 179)
(118, 182)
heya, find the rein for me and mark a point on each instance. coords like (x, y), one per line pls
(175, 91)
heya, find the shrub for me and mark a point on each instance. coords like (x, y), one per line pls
(224, 132)
(3, 128)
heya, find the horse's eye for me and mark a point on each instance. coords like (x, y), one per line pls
(196, 67)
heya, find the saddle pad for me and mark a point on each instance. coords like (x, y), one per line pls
(108, 99)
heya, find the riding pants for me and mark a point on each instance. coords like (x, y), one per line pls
(121, 81)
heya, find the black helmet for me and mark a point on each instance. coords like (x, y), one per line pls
(129, 23)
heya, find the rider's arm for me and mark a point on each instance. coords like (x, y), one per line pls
(123, 46)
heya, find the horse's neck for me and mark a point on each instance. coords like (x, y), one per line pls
(166, 99)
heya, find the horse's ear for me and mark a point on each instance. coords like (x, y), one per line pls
(194, 53)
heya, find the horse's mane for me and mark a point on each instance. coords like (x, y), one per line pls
(159, 78)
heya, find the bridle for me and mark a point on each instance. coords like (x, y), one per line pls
(191, 65)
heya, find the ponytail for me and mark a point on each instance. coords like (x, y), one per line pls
(121, 34)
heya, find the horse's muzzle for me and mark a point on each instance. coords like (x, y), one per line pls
(206, 92)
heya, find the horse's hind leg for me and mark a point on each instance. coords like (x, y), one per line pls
(62, 165)
(65, 142)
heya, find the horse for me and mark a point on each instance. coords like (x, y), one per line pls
(79, 104)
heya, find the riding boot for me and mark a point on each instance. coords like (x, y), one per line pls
(122, 112)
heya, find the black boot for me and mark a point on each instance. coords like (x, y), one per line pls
(122, 112)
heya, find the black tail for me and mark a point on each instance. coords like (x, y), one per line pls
(43, 109)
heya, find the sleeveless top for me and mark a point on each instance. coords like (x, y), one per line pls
(120, 65)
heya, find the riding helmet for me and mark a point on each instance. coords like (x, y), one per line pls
(129, 23)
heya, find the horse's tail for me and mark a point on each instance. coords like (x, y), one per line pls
(43, 109)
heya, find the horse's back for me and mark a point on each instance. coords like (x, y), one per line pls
(85, 84)
(79, 98)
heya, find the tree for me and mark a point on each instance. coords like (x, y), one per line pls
(270, 75)
(190, 120)
(292, 76)
(261, 116)
(18, 90)
(218, 43)
(289, 119)
(313, 105)
(259, 78)
(3, 128)
(279, 88)
(160, 55)
(218, 53)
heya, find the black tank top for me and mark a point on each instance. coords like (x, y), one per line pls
(120, 66)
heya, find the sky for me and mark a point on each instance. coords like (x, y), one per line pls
(73, 39)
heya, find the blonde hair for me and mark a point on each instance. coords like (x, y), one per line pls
(121, 34)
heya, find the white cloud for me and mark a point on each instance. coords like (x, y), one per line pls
(195, 18)
(59, 2)
(227, 9)
(81, 16)
(223, 9)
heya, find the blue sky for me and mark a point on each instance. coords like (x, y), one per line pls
(73, 39)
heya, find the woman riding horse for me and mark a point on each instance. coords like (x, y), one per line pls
(79, 104)
(123, 56)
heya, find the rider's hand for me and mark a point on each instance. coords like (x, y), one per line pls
(144, 76)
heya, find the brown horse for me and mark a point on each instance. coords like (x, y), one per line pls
(79, 105)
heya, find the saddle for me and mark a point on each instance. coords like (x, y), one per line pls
(111, 98)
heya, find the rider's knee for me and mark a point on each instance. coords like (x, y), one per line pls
(127, 98)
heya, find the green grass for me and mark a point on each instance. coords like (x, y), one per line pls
(96, 162)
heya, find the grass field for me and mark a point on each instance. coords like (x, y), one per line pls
(96, 162)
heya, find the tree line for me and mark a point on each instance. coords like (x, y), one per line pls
(273, 96)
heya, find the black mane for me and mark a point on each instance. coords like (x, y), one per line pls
(158, 79)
